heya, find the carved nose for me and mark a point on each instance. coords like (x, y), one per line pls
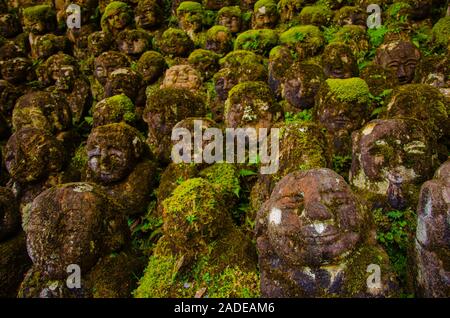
(316, 211)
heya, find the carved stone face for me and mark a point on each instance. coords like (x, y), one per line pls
(182, 76)
(99, 42)
(39, 19)
(148, 14)
(113, 151)
(312, 218)
(116, 18)
(192, 20)
(108, 62)
(301, 85)
(265, 17)
(391, 154)
(401, 57)
(342, 115)
(123, 81)
(73, 224)
(15, 70)
(31, 154)
(133, 42)
(151, 66)
(232, 21)
(41, 110)
(60, 70)
(339, 62)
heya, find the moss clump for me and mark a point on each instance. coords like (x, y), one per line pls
(350, 89)
(270, 5)
(189, 6)
(213, 32)
(112, 9)
(441, 32)
(234, 11)
(193, 216)
(225, 177)
(306, 40)
(258, 41)
(41, 12)
(238, 58)
(118, 108)
(355, 37)
(175, 42)
(316, 15)
(203, 56)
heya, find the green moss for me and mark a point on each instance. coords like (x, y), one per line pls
(158, 278)
(317, 15)
(234, 11)
(258, 41)
(112, 9)
(441, 32)
(398, 8)
(39, 13)
(300, 34)
(80, 158)
(189, 6)
(351, 89)
(269, 4)
(224, 176)
(212, 32)
(203, 56)
(238, 58)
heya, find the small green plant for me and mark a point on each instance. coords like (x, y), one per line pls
(395, 231)
(191, 218)
(304, 115)
(376, 36)
(341, 164)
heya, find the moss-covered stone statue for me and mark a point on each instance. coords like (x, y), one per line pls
(166, 107)
(175, 43)
(231, 18)
(99, 42)
(301, 84)
(342, 106)
(117, 17)
(151, 65)
(184, 77)
(306, 40)
(115, 109)
(34, 160)
(134, 42)
(314, 240)
(205, 62)
(77, 224)
(148, 14)
(199, 238)
(265, 14)
(280, 60)
(126, 81)
(260, 41)
(251, 104)
(316, 15)
(219, 40)
(62, 74)
(116, 160)
(190, 16)
(391, 158)
(339, 61)
(400, 56)
(433, 236)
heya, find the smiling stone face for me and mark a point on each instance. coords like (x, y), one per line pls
(391, 154)
(190, 15)
(265, 15)
(312, 218)
(230, 17)
(182, 76)
(400, 56)
(148, 14)
(113, 151)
